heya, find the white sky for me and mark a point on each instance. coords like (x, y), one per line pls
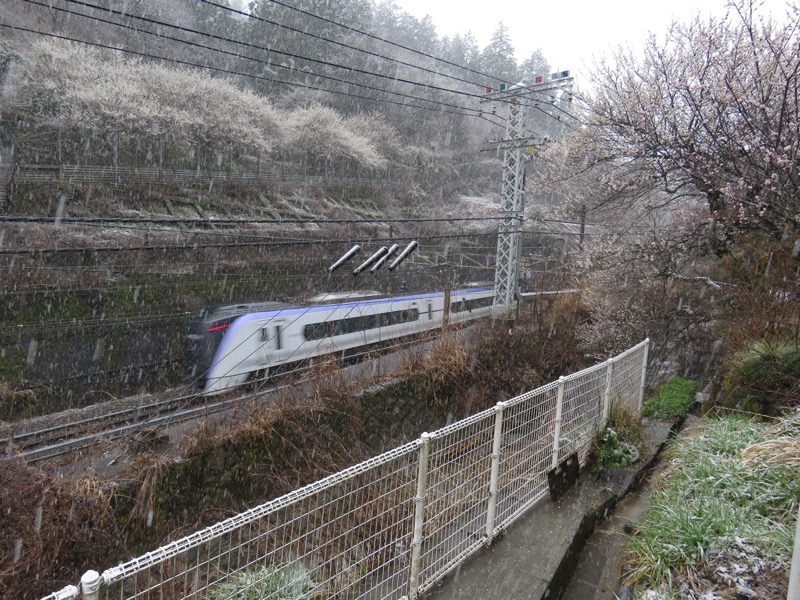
(570, 33)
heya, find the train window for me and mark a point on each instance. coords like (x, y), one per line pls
(430, 311)
(470, 305)
(317, 331)
(265, 334)
(278, 337)
(314, 331)
(479, 303)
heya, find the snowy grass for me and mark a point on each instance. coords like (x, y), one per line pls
(716, 496)
(286, 583)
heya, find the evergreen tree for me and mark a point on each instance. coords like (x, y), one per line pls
(535, 65)
(497, 59)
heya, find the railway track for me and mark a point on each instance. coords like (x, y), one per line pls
(56, 435)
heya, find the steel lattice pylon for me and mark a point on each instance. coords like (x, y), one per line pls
(509, 234)
(547, 94)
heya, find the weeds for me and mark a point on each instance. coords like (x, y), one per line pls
(764, 377)
(616, 446)
(51, 529)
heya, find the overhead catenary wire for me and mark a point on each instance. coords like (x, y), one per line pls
(270, 243)
(230, 72)
(472, 111)
(348, 46)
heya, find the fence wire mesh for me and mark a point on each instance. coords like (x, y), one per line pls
(394, 525)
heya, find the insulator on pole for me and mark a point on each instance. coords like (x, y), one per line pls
(408, 250)
(392, 249)
(378, 253)
(350, 253)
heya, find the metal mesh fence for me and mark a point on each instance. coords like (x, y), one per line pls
(392, 526)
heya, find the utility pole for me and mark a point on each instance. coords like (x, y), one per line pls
(509, 236)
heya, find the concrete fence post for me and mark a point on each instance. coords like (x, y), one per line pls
(607, 393)
(419, 516)
(491, 511)
(644, 373)
(557, 428)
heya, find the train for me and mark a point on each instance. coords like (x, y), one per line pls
(231, 345)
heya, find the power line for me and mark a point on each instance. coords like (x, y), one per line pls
(269, 64)
(349, 69)
(372, 36)
(375, 37)
(181, 221)
(204, 246)
(229, 72)
(348, 46)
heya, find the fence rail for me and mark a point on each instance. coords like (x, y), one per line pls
(394, 525)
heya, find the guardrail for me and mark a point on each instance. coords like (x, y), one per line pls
(394, 525)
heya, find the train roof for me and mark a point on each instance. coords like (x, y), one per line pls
(330, 297)
(270, 310)
(232, 310)
(290, 310)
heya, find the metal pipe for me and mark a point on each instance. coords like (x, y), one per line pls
(557, 432)
(419, 516)
(378, 254)
(794, 573)
(607, 393)
(392, 249)
(408, 250)
(491, 510)
(347, 256)
(644, 374)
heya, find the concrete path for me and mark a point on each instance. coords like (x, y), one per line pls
(543, 552)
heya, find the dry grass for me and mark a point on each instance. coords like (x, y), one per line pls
(51, 529)
(781, 446)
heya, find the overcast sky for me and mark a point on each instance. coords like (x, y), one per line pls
(571, 33)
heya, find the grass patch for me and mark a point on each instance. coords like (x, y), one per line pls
(277, 583)
(672, 400)
(719, 500)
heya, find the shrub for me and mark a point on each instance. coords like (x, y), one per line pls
(763, 378)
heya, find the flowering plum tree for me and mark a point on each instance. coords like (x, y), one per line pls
(712, 111)
(689, 155)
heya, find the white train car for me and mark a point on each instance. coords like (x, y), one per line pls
(234, 344)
